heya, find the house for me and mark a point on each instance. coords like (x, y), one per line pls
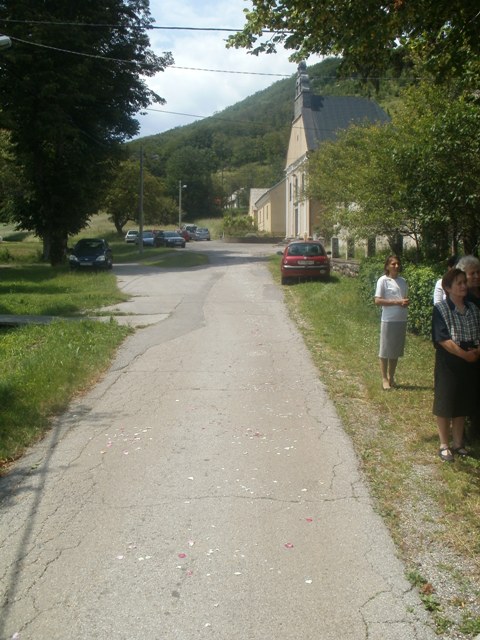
(267, 207)
(255, 194)
(316, 119)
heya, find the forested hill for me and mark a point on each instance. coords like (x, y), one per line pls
(245, 145)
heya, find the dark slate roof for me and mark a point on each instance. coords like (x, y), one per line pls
(329, 114)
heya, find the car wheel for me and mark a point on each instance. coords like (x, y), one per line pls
(284, 280)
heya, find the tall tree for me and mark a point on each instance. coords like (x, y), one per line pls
(71, 85)
(366, 34)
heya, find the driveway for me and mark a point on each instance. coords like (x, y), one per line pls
(204, 489)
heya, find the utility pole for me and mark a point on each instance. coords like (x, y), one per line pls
(140, 208)
(180, 188)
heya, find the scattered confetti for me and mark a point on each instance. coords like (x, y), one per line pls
(182, 555)
(309, 519)
(120, 557)
(288, 545)
(309, 581)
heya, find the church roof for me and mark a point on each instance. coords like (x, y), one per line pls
(326, 115)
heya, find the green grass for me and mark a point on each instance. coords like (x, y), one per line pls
(394, 433)
(42, 368)
(41, 290)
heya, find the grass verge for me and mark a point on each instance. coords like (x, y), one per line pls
(432, 509)
(42, 368)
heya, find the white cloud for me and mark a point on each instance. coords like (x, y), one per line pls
(188, 90)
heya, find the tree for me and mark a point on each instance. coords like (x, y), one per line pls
(71, 85)
(357, 181)
(369, 35)
(193, 167)
(439, 161)
(123, 195)
(417, 176)
(11, 179)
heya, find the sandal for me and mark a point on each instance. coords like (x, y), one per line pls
(461, 451)
(445, 454)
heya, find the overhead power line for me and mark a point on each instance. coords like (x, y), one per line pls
(99, 57)
(116, 26)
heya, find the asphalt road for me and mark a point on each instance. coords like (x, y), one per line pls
(204, 489)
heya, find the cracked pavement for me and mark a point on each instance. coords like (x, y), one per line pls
(204, 489)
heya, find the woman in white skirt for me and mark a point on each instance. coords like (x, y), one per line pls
(391, 295)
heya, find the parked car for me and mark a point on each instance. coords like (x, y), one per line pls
(91, 252)
(169, 239)
(191, 228)
(304, 259)
(202, 233)
(185, 234)
(148, 239)
(131, 235)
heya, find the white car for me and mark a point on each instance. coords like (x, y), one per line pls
(131, 236)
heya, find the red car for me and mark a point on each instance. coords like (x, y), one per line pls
(185, 234)
(304, 259)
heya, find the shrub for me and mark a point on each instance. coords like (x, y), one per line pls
(421, 282)
(234, 225)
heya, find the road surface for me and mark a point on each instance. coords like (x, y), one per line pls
(204, 489)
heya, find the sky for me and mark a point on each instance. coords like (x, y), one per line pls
(186, 88)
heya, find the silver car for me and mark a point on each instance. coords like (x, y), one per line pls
(202, 233)
(131, 236)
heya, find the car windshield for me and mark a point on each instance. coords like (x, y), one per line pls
(305, 249)
(89, 247)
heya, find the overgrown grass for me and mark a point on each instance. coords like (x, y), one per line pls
(393, 432)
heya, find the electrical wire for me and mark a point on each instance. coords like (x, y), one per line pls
(116, 26)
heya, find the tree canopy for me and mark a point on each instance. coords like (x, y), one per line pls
(417, 176)
(368, 35)
(71, 85)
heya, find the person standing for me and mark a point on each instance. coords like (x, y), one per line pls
(391, 294)
(456, 337)
(471, 266)
(438, 292)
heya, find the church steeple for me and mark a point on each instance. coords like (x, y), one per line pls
(303, 96)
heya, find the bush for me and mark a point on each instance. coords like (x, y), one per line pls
(421, 282)
(235, 225)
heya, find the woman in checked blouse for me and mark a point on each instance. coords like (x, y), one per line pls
(456, 337)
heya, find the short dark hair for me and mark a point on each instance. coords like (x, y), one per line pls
(452, 261)
(387, 262)
(450, 277)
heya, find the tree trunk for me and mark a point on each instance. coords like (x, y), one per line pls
(55, 248)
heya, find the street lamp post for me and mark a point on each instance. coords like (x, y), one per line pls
(140, 206)
(180, 188)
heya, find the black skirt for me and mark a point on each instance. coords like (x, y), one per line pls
(455, 385)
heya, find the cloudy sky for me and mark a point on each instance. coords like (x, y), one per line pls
(190, 91)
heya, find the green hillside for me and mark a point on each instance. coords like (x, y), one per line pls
(243, 146)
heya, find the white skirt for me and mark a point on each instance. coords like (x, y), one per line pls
(392, 339)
